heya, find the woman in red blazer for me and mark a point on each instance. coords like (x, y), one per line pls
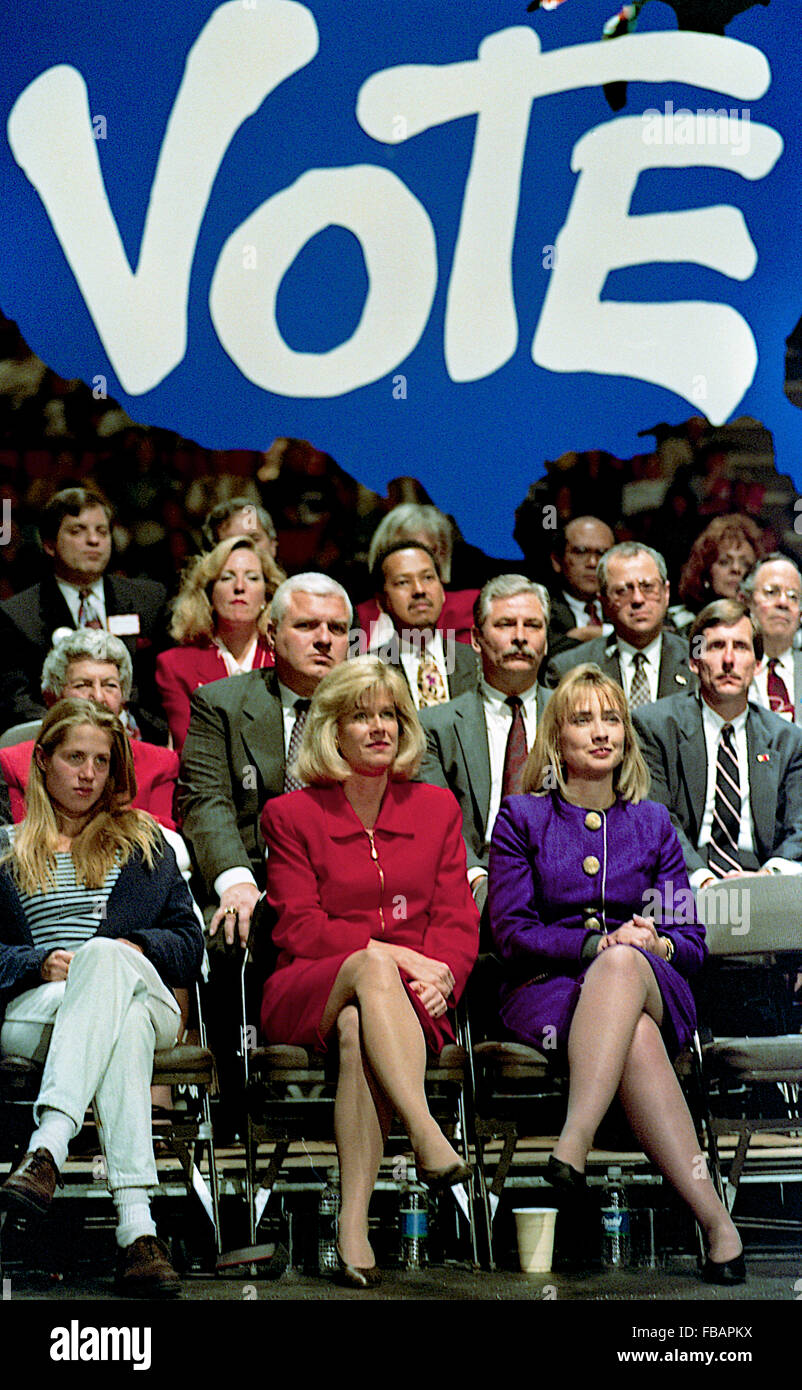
(376, 929)
(220, 618)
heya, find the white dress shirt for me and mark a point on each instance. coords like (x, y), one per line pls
(577, 607)
(498, 721)
(72, 597)
(650, 667)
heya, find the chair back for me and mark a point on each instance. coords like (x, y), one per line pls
(750, 916)
(20, 733)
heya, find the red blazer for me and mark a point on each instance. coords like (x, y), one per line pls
(457, 614)
(156, 773)
(180, 670)
(330, 898)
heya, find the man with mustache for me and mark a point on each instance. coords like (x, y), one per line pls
(409, 590)
(478, 743)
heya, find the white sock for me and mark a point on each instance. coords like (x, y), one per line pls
(54, 1133)
(133, 1215)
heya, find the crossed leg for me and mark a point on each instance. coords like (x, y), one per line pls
(382, 1068)
(615, 1046)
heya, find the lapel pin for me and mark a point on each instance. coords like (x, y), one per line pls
(764, 758)
(680, 679)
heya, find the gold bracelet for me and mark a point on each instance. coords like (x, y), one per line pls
(670, 948)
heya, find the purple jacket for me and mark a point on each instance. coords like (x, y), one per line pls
(557, 876)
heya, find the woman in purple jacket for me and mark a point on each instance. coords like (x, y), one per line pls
(595, 921)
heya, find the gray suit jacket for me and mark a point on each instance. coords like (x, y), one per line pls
(673, 742)
(233, 761)
(675, 673)
(458, 757)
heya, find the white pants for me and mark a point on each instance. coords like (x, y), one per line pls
(98, 1031)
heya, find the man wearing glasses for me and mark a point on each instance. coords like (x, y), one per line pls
(647, 661)
(773, 591)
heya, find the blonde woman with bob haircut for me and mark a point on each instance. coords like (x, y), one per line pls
(220, 620)
(585, 878)
(96, 930)
(375, 926)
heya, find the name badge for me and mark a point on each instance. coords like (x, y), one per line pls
(124, 624)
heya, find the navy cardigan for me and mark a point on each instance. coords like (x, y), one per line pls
(151, 907)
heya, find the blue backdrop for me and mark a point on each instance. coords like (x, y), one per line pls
(412, 232)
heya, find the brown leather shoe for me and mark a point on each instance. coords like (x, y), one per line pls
(32, 1183)
(144, 1270)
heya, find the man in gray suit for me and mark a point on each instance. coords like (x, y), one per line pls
(773, 591)
(477, 743)
(243, 735)
(730, 773)
(761, 829)
(648, 662)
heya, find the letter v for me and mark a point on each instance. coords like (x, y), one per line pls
(239, 57)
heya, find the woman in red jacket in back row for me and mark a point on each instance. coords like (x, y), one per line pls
(376, 928)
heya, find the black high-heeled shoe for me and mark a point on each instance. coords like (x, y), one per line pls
(564, 1177)
(439, 1179)
(724, 1271)
(357, 1276)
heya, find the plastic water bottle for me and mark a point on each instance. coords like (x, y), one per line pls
(615, 1223)
(414, 1220)
(327, 1209)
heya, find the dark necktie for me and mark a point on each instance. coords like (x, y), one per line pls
(593, 613)
(779, 700)
(516, 751)
(292, 783)
(639, 689)
(722, 851)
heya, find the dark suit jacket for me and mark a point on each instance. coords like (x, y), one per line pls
(675, 673)
(28, 621)
(233, 761)
(673, 743)
(458, 757)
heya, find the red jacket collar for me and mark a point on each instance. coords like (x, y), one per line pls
(344, 824)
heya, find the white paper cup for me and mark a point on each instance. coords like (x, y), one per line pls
(535, 1227)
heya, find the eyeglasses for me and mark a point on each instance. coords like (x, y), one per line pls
(771, 591)
(648, 588)
(583, 551)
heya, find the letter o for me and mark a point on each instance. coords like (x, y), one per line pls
(400, 250)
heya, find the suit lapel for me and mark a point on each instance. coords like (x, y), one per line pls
(692, 751)
(610, 662)
(263, 733)
(471, 732)
(763, 783)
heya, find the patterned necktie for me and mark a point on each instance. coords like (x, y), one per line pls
(432, 689)
(779, 700)
(87, 617)
(639, 693)
(516, 751)
(593, 614)
(291, 782)
(722, 851)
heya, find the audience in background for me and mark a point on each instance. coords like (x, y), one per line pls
(576, 614)
(719, 559)
(773, 591)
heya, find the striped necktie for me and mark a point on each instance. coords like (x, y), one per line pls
(777, 690)
(722, 851)
(291, 782)
(87, 614)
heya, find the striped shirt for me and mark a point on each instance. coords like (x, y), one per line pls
(64, 918)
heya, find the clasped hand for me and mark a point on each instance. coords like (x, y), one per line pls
(431, 980)
(638, 931)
